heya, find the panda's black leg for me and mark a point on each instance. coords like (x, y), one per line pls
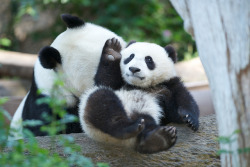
(105, 112)
(155, 138)
(189, 118)
(108, 71)
(185, 109)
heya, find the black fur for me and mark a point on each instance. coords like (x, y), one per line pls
(134, 69)
(171, 53)
(127, 60)
(187, 110)
(176, 101)
(105, 67)
(105, 111)
(33, 111)
(49, 57)
(72, 21)
(159, 139)
(150, 62)
(130, 43)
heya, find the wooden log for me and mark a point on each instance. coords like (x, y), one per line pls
(16, 64)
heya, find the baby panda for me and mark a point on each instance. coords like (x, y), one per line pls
(73, 55)
(136, 94)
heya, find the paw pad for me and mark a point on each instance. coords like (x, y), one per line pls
(111, 50)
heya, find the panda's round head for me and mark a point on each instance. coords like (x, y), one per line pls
(146, 64)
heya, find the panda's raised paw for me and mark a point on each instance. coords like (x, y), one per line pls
(188, 118)
(111, 50)
(159, 139)
(115, 45)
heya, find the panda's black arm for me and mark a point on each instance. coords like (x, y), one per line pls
(182, 103)
(108, 71)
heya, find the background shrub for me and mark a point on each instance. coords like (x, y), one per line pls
(142, 20)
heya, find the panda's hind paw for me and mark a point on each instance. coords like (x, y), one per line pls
(160, 139)
(129, 131)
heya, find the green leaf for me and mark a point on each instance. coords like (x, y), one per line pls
(237, 131)
(5, 42)
(101, 164)
(223, 139)
(44, 100)
(6, 114)
(32, 123)
(222, 151)
(3, 100)
(244, 150)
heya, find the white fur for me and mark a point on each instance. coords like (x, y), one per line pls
(141, 102)
(164, 65)
(16, 122)
(82, 105)
(134, 100)
(95, 133)
(80, 49)
(45, 79)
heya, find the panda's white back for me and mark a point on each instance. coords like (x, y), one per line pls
(80, 49)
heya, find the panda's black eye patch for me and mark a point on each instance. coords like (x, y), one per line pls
(150, 63)
(127, 60)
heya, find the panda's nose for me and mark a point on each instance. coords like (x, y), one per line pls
(134, 69)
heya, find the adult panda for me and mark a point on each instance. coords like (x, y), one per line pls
(75, 55)
(148, 96)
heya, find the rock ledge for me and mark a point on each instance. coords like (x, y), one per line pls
(193, 149)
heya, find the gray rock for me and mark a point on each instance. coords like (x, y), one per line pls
(192, 149)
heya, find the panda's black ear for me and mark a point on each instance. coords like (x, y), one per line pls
(72, 21)
(171, 53)
(49, 57)
(130, 43)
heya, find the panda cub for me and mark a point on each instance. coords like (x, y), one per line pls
(137, 93)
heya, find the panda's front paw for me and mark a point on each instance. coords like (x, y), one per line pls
(189, 118)
(112, 49)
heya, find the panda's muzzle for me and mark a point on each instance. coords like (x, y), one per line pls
(134, 69)
(135, 76)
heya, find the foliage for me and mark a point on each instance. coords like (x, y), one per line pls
(5, 43)
(27, 152)
(142, 20)
(229, 140)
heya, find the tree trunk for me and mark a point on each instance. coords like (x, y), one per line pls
(221, 30)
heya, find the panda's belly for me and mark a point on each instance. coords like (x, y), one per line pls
(95, 133)
(134, 101)
(137, 101)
